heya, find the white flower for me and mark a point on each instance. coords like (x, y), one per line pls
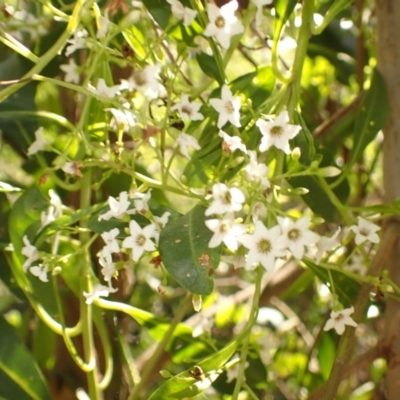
(139, 241)
(29, 251)
(123, 119)
(297, 235)
(277, 133)
(189, 111)
(185, 141)
(264, 245)
(160, 223)
(104, 24)
(110, 239)
(257, 172)
(118, 208)
(103, 90)
(144, 81)
(233, 372)
(232, 143)
(259, 4)
(54, 211)
(339, 319)
(258, 211)
(180, 12)
(365, 231)
(73, 168)
(40, 271)
(228, 107)
(223, 23)
(141, 205)
(225, 230)
(39, 143)
(71, 71)
(225, 199)
(327, 244)
(108, 268)
(98, 291)
(78, 42)
(237, 261)
(357, 265)
(204, 325)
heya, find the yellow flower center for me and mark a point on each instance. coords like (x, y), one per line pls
(264, 246)
(220, 22)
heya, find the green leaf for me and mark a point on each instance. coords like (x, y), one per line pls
(371, 117)
(183, 385)
(283, 9)
(326, 355)
(209, 66)
(160, 11)
(185, 253)
(17, 363)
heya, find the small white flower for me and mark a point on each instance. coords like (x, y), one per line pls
(182, 13)
(225, 230)
(40, 271)
(110, 239)
(189, 111)
(72, 168)
(297, 235)
(123, 119)
(257, 172)
(203, 326)
(365, 230)
(103, 90)
(260, 4)
(78, 42)
(139, 240)
(277, 133)
(357, 265)
(144, 81)
(29, 251)
(232, 143)
(118, 208)
(185, 141)
(234, 371)
(141, 206)
(71, 71)
(104, 25)
(98, 291)
(108, 267)
(160, 223)
(259, 211)
(327, 244)
(264, 245)
(223, 23)
(225, 200)
(39, 144)
(54, 211)
(339, 320)
(228, 107)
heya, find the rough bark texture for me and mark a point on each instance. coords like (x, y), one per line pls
(388, 46)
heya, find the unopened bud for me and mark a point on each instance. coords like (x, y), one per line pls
(296, 154)
(196, 301)
(329, 172)
(300, 191)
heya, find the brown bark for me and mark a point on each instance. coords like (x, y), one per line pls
(388, 50)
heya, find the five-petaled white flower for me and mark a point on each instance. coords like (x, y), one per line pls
(39, 143)
(297, 235)
(110, 239)
(77, 42)
(339, 320)
(122, 118)
(141, 202)
(277, 133)
(223, 23)
(98, 291)
(189, 111)
(228, 108)
(264, 245)
(225, 230)
(231, 143)
(365, 230)
(118, 208)
(29, 251)
(139, 241)
(54, 211)
(185, 141)
(327, 244)
(103, 90)
(225, 199)
(108, 267)
(71, 71)
(180, 12)
(144, 81)
(159, 224)
(260, 4)
(40, 271)
(257, 172)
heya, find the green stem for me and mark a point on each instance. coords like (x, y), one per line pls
(252, 320)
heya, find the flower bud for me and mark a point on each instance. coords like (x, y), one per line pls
(329, 172)
(296, 154)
